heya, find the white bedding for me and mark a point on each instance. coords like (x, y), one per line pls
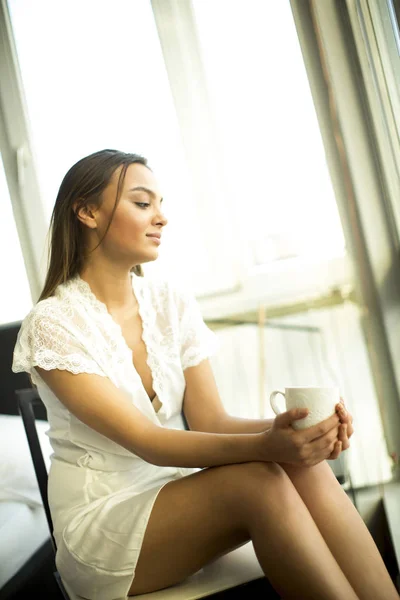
(23, 524)
(23, 529)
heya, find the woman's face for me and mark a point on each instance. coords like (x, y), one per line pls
(138, 215)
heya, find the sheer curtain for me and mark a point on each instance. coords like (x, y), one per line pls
(15, 298)
(269, 131)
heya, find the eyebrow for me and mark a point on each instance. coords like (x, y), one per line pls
(142, 188)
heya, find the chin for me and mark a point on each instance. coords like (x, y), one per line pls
(146, 259)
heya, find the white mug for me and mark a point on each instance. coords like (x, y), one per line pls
(320, 401)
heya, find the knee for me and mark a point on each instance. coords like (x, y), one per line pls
(262, 473)
(266, 468)
(255, 485)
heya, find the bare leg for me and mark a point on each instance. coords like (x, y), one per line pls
(207, 514)
(344, 531)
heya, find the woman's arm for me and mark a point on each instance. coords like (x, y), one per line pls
(204, 410)
(203, 407)
(98, 403)
(229, 424)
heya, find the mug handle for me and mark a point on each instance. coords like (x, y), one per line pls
(272, 400)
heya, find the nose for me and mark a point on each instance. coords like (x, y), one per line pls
(161, 219)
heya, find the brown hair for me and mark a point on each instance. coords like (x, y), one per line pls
(84, 182)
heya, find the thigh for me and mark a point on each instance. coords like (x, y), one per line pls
(198, 518)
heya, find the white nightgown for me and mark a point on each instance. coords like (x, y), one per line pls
(100, 494)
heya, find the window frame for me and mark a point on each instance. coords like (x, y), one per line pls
(18, 159)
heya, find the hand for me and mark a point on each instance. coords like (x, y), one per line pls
(346, 429)
(305, 447)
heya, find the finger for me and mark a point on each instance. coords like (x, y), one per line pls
(350, 429)
(346, 418)
(321, 429)
(343, 437)
(344, 415)
(336, 451)
(286, 418)
(325, 442)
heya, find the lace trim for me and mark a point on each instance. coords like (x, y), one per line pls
(198, 341)
(75, 367)
(150, 338)
(150, 335)
(201, 349)
(116, 338)
(186, 339)
(45, 341)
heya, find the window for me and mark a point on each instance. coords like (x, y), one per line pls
(107, 86)
(15, 299)
(256, 212)
(269, 130)
(94, 78)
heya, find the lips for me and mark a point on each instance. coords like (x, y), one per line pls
(156, 235)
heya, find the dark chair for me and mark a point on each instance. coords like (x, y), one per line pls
(27, 399)
(35, 571)
(233, 576)
(11, 381)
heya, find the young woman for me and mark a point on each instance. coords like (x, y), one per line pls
(138, 502)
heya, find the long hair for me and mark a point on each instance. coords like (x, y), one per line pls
(84, 182)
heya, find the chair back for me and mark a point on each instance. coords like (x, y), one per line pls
(27, 400)
(10, 381)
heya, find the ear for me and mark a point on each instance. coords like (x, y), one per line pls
(86, 213)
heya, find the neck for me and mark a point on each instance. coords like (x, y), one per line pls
(111, 286)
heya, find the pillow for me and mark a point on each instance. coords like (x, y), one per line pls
(17, 475)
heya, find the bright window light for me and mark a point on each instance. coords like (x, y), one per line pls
(15, 298)
(269, 130)
(94, 78)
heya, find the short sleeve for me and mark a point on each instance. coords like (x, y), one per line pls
(197, 341)
(48, 340)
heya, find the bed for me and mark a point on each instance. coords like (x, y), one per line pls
(26, 555)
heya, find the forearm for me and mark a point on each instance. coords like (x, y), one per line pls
(180, 448)
(229, 424)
